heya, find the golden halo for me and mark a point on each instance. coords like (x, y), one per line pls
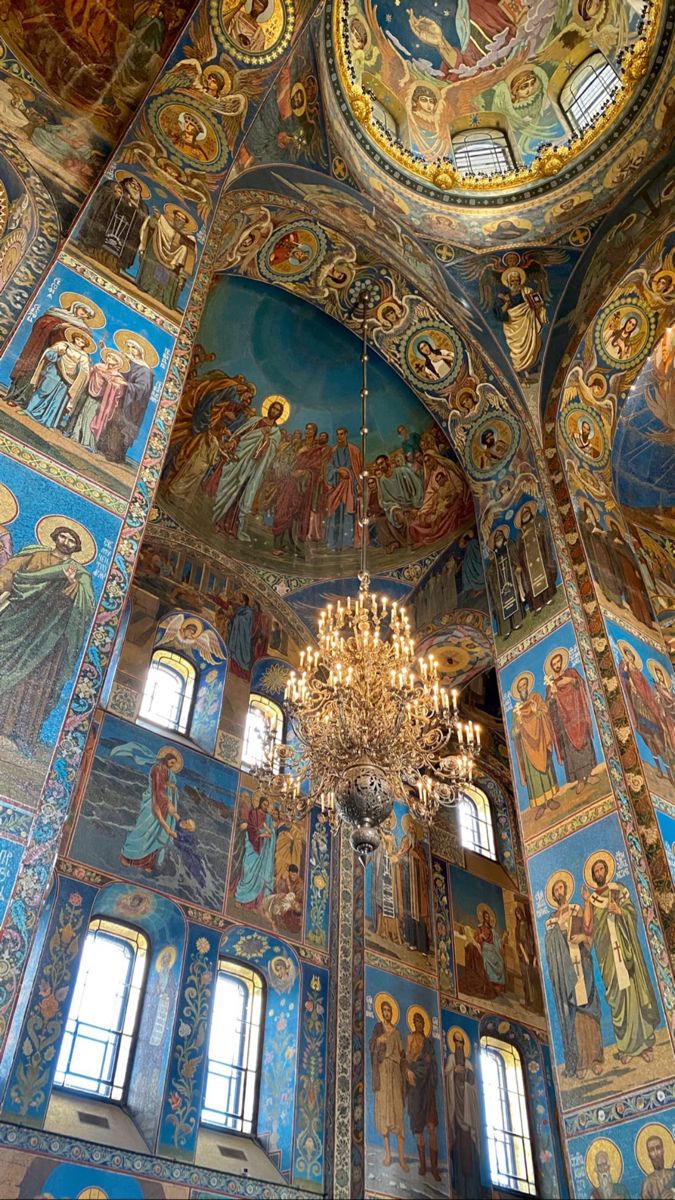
(297, 89)
(522, 275)
(8, 505)
(124, 364)
(652, 664)
(566, 877)
(191, 225)
(68, 300)
(125, 174)
(517, 520)
(166, 955)
(669, 280)
(280, 400)
(654, 1129)
(624, 645)
(564, 654)
(450, 1038)
(220, 74)
(602, 856)
(523, 675)
(584, 502)
(597, 382)
(480, 909)
(74, 331)
(500, 529)
(124, 336)
(412, 1013)
(613, 1154)
(166, 751)
(385, 998)
(46, 526)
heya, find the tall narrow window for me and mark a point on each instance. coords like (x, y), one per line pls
(508, 1127)
(99, 1035)
(169, 689)
(231, 1096)
(482, 152)
(264, 719)
(588, 90)
(475, 823)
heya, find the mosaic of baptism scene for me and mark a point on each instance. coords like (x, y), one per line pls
(337, 600)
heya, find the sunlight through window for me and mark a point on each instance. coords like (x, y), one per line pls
(169, 689)
(588, 90)
(475, 823)
(231, 1095)
(482, 152)
(508, 1129)
(264, 717)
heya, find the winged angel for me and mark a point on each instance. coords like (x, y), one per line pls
(189, 634)
(514, 288)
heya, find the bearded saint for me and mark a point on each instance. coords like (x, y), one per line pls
(568, 707)
(533, 738)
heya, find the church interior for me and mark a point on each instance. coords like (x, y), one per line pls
(337, 599)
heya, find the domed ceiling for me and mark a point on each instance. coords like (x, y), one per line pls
(266, 448)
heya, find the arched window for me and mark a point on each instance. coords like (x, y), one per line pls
(169, 688)
(507, 1122)
(475, 822)
(99, 1035)
(233, 1072)
(482, 152)
(264, 720)
(385, 118)
(588, 90)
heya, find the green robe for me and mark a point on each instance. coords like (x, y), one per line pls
(42, 631)
(628, 987)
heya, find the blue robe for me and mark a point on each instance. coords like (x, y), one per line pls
(49, 400)
(239, 642)
(472, 577)
(148, 836)
(257, 875)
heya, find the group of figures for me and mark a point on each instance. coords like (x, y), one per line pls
(268, 865)
(120, 232)
(654, 1153)
(651, 704)
(522, 571)
(299, 491)
(400, 901)
(100, 405)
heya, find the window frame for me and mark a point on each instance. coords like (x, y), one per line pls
(473, 795)
(140, 936)
(261, 702)
(164, 657)
(225, 963)
(488, 133)
(497, 1049)
(569, 97)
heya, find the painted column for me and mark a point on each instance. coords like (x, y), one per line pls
(91, 381)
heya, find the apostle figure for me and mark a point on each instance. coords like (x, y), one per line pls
(524, 315)
(293, 507)
(122, 429)
(660, 1182)
(244, 24)
(386, 897)
(46, 608)
(415, 887)
(567, 947)
(597, 544)
(536, 561)
(208, 408)
(502, 583)
(240, 638)
(145, 845)
(72, 312)
(61, 378)
(250, 452)
(629, 581)
(256, 880)
(111, 228)
(605, 1186)
(387, 1060)
(526, 949)
(464, 1122)
(644, 707)
(569, 710)
(422, 1076)
(167, 252)
(472, 576)
(342, 501)
(400, 492)
(105, 388)
(533, 738)
(610, 918)
(665, 701)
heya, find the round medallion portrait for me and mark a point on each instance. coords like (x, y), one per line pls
(491, 445)
(585, 435)
(255, 31)
(624, 332)
(188, 134)
(292, 252)
(431, 356)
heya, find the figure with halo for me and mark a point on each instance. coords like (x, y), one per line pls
(568, 951)
(421, 1068)
(248, 455)
(464, 1123)
(387, 1059)
(46, 608)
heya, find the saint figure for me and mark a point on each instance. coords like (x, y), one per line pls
(502, 584)
(257, 870)
(569, 710)
(387, 1059)
(464, 1121)
(536, 560)
(342, 476)
(167, 255)
(567, 946)
(533, 737)
(422, 1076)
(250, 452)
(145, 845)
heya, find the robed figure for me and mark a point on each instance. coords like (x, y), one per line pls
(567, 947)
(643, 706)
(415, 887)
(257, 870)
(464, 1123)
(46, 608)
(387, 1060)
(155, 829)
(122, 428)
(422, 1076)
(501, 578)
(49, 328)
(612, 920)
(569, 710)
(342, 501)
(60, 378)
(536, 559)
(111, 228)
(533, 737)
(250, 451)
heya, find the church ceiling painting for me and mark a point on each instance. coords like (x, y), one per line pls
(267, 457)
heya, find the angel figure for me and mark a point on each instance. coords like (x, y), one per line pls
(189, 633)
(242, 251)
(524, 101)
(334, 274)
(219, 84)
(514, 287)
(185, 184)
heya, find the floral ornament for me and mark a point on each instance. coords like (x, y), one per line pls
(308, 1141)
(252, 945)
(45, 1021)
(190, 1047)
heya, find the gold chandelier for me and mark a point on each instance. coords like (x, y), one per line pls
(373, 723)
